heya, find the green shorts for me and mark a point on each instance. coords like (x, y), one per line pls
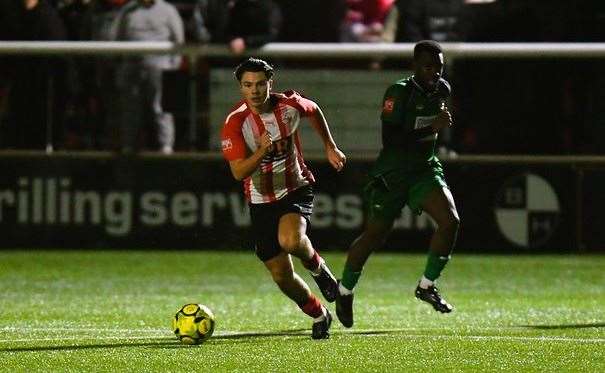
(385, 195)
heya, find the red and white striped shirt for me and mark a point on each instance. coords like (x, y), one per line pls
(283, 169)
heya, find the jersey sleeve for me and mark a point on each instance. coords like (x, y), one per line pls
(393, 105)
(304, 106)
(232, 141)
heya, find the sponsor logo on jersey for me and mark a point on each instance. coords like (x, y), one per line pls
(389, 105)
(527, 210)
(287, 118)
(226, 144)
(425, 121)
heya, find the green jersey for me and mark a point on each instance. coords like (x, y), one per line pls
(407, 112)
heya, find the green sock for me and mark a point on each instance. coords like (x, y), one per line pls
(434, 265)
(349, 277)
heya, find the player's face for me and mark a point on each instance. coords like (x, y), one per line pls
(255, 89)
(428, 68)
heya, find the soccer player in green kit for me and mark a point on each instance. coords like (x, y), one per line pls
(408, 172)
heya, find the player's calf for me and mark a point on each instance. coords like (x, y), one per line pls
(322, 276)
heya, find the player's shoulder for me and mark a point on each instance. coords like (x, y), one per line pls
(294, 99)
(444, 88)
(238, 113)
(287, 96)
(401, 88)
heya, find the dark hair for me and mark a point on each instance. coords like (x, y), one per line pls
(253, 65)
(429, 46)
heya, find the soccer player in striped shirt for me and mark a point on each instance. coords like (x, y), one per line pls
(407, 172)
(261, 143)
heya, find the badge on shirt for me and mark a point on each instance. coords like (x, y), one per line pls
(227, 144)
(388, 106)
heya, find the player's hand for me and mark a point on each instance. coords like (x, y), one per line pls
(336, 157)
(265, 142)
(443, 119)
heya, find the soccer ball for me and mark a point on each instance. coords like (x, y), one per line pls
(193, 323)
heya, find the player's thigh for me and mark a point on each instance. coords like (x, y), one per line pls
(265, 220)
(383, 200)
(440, 205)
(292, 229)
(280, 266)
(294, 214)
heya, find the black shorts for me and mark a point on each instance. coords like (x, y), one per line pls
(265, 219)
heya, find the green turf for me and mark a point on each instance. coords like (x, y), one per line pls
(111, 311)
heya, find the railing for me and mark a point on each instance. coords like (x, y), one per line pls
(314, 50)
(295, 50)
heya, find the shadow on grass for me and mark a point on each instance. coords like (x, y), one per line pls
(172, 343)
(160, 342)
(163, 341)
(567, 326)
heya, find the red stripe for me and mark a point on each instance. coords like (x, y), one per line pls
(248, 189)
(289, 161)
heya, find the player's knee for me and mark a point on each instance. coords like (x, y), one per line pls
(375, 238)
(291, 241)
(452, 224)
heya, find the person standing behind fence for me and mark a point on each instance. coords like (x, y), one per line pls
(364, 22)
(139, 79)
(36, 83)
(252, 23)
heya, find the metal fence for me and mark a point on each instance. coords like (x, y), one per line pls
(293, 51)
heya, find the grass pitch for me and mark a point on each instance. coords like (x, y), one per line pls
(111, 311)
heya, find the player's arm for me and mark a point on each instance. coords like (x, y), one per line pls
(394, 132)
(241, 168)
(396, 135)
(319, 123)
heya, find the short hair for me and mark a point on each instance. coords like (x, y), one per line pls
(253, 65)
(429, 46)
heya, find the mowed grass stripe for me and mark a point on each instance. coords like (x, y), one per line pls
(370, 333)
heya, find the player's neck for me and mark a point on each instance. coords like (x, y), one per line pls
(266, 107)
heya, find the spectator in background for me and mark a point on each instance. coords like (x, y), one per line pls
(312, 21)
(139, 79)
(438, 20)
(36, 84)
(209, 21)
(97, 80)
(364, 21)
(252, 23)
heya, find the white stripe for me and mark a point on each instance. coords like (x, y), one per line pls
(238, 110)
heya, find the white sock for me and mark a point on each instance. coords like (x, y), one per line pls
(322, 317)
(425, 283)
(317, 270)
(344, 291)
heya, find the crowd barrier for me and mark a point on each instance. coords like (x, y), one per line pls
(336, 51)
